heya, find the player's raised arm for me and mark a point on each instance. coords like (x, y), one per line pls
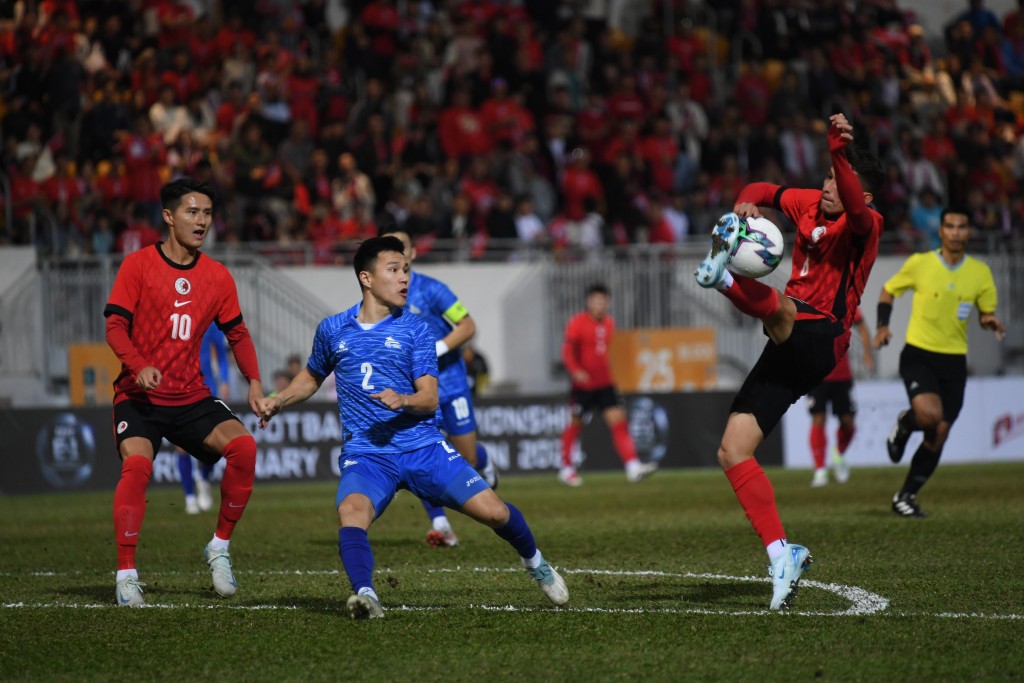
(848, 186)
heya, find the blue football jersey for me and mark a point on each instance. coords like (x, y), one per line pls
(393, 354)
(439, 308)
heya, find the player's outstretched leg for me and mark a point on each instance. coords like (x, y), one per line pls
(441, 535)
(786, 572)
(517, 533)
(357, 558)
(724, 237)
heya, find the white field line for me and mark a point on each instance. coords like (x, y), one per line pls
(862, 602)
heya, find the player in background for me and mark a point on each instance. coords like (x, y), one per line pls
(384, 361)
(196, 482)
(808, 326)
(837, 389)
(452, 327)
(163, 296)
(588, 335)
(947, 284)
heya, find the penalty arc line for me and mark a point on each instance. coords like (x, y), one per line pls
(863, 602)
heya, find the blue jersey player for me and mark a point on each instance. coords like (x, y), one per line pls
(451, 326)
(196, 482)
(385, 366)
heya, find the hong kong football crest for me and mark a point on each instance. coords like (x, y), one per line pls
(182, 286)
(818, 233)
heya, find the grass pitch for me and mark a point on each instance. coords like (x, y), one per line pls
(667, 581)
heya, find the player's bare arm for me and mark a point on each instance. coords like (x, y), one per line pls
(463, 331)
(302, 386)
(989, 321)
(423, 402)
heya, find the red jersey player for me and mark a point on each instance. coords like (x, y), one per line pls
(808, 327)
(837, 389)
(585, 354)
(164, 298)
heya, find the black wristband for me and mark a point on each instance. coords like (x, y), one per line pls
(884, 312)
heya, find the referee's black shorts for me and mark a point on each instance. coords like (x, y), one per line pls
(786, 372)
(186, 426)
(927, 372)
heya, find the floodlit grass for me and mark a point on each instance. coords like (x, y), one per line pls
(668, 583)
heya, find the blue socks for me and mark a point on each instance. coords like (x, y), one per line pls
(188, 484)
(518, 533)
(356, 557)
(481, 456)
(433, 510)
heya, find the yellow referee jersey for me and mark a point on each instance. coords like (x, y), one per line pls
(943, 298)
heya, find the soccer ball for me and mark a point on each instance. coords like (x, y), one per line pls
(759, 248)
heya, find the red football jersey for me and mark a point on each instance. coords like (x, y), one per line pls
(169, 307)
(586, 348)
(842, 372)
(831, 258)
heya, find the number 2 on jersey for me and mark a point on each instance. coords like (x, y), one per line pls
(181, 326)
(367, 370)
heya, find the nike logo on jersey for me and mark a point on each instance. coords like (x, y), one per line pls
(179, 304)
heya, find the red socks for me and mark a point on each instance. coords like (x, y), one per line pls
(844, 437)
(757, 497)
(236, 486)
(752, 297)
(569, 436)
(623, 441)
(818, 445)
(130, 507)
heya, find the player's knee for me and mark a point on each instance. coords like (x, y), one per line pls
(928, 419)
(241, 452)
(728, 457)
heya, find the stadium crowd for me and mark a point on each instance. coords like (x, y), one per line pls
(555, 123)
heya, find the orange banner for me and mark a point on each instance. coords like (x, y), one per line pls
(664, 359)
(92, 369)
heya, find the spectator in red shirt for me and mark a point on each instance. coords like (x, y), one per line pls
(580, 183)
(588, 337)
(661, 153)
(139, 233)
(461, 129)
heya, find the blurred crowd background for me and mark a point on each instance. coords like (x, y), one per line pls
(558, 124)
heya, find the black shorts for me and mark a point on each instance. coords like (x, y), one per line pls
(839, 394)
(927, 372)
(583, 401)
(186, 426)
(786, 372)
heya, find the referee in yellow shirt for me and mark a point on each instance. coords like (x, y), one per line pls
(947, 284)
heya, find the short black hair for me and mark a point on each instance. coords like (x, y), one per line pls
(172, 192)
(370, 249)
(868, 167)
(598, 288)
(957, 209)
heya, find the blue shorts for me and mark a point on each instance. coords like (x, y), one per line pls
(456, 416)
(435, 473)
